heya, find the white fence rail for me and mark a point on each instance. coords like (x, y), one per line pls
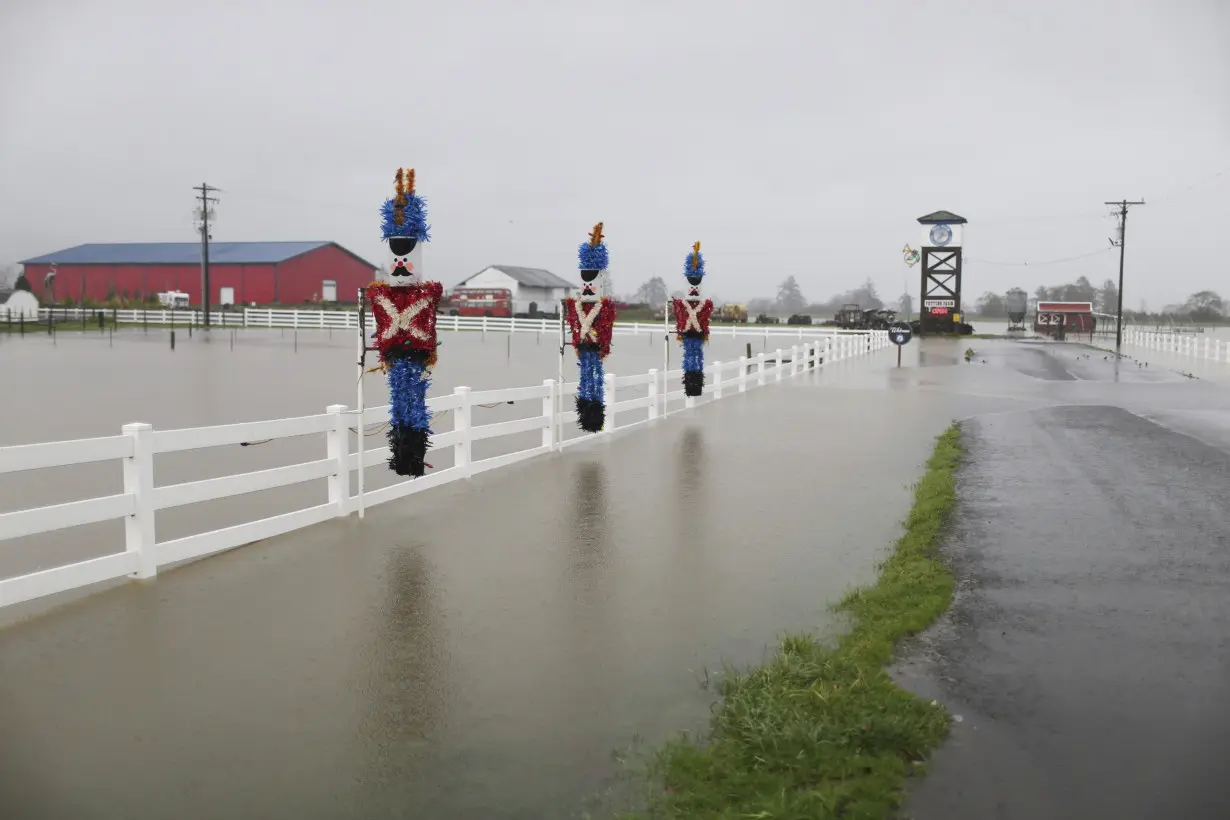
(349, 319)
(1180, 344)
(143, 553)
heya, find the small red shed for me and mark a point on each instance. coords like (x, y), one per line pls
(240, 273)
(1054, 318)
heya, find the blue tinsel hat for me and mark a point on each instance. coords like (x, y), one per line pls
(694, 265)
(592, 255)
(406, 213)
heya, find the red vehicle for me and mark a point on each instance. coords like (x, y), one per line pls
(481, 302)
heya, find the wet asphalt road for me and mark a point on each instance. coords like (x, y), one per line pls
(1088, 653)
(479, 650)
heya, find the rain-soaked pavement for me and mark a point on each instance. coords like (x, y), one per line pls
(1088, 652)
(478, 651)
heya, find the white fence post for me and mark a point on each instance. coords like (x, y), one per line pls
(139, 482)
(779, 364)
(337, 447)
(717, 380)
(548, 410)
(608, 402)
(743, 374)
(794, 360)
(653, 394)
(760, 369)
(461, 423)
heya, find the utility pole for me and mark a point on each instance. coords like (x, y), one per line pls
(1123, 212)
(205, 190)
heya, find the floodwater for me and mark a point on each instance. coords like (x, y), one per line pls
(87, 384)
(479, 650)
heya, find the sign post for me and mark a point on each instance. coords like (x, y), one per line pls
(899, 333)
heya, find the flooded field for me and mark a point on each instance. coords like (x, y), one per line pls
(480, 650)
(80, 385)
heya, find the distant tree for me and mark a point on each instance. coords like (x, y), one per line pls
(23, 283)
(1082, 290)
(1205, 306)
(653, 292)
(905, 305)
(866, 296)
(1107, 300)
(790, 296)
(759, 305)
(991, 305)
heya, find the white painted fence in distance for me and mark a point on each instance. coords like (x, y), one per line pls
(349, 320)
(1180, 344)
(142, 554)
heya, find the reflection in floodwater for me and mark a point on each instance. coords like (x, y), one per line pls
(403, 671)
(689, 511)
(932, 358)
(589, 522)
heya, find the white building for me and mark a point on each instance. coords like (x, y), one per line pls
(20, 303)
(533, 289)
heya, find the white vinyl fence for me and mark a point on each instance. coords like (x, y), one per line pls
(1180, 344)
(142, 553)
(349, 319)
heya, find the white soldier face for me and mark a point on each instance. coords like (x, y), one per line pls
(405, 266)
(591, 286)
(694, 286)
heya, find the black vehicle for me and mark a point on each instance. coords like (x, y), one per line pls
(851, 317)
(879, 319)
(799, 319)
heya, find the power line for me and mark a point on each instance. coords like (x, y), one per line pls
(1042, 263)
(1184, 189)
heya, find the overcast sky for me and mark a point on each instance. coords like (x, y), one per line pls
(798, 138)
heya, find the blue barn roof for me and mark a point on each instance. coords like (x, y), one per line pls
(180, 253)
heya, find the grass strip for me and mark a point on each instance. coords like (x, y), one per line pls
(823, 731)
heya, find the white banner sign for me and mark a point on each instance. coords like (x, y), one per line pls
(939, 303)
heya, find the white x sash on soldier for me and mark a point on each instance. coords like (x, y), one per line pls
(693, 321)
(587, 320)
(402, 319)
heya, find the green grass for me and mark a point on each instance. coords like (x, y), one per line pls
(823, 731)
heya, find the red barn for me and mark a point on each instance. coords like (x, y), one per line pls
(240, 273)
(1072, 317)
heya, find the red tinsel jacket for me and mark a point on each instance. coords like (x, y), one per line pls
(405, 316)
(601, 328)
(702, 316)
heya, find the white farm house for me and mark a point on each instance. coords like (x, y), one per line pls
(533, 289)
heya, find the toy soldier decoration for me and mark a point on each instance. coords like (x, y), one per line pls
(404, 307)
(591, 318)
(692, 324)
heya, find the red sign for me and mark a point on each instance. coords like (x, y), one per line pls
(939, 311)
